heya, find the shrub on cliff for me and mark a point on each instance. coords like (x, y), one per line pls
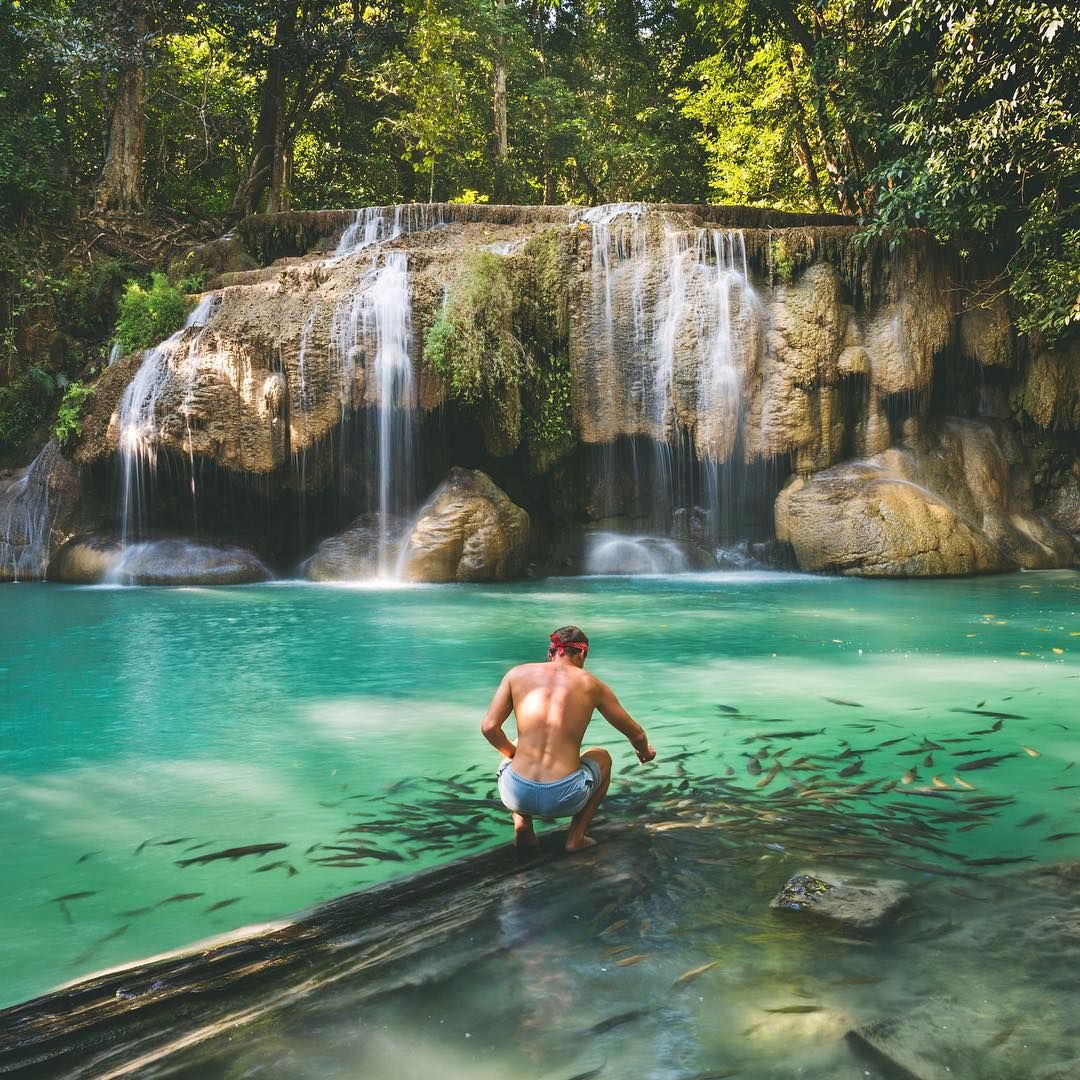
(149, 315)
(473, 347)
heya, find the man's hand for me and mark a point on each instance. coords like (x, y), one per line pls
(647, 754)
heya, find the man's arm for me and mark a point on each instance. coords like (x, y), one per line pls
(610, 709)
(502, 704)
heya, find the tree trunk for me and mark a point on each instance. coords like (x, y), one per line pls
(280, 198)
(263, 163)
(502, 136)
(121, 177)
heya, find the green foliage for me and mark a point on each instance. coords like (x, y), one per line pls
(192, 283)
(549, 423)
(473, 347)
(68, 424)
(781, 261)
(25, 404)
(149, 315)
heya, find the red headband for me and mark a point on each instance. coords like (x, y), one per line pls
(560, 647)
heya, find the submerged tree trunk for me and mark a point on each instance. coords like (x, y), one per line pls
(119, 189)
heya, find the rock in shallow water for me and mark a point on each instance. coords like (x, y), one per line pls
(90, 560)
(856, 904)
(937, 1040)
(947, 503)
(369, 545)
(469, 530)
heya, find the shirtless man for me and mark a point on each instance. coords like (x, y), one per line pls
(546, 774)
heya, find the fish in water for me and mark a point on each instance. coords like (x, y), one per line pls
(137, 911)
(796, 1009)
(793, 734)
(938, 782)
(224, 904)
(851, 770)
(843, 701)
(170, 843)
(612, 1022)
(928, 761)
(1033, 820)
(909, 776)
(770, 776)
(72, 896)
(1060, 836)
(727, 708)
(991, 713)
(180, 897)
(627, 961)
(232, 853)
(1000, 861)
(983, 763)
(88, 855)
(589, 1074)
(1031, 753)
(693, 973)
(753, 766)
(269, 866)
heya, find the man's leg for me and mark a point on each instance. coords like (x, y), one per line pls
(576, 838)
(523, 831)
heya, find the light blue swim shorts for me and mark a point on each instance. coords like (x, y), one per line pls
(554, 799)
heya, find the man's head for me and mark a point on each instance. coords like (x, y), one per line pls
(570, 642)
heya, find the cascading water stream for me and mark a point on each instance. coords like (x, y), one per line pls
(27, 512)
(138, 412)
(661, 311)
(371, 330)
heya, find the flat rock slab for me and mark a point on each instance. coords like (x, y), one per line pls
(856, 903)
(937, 1040)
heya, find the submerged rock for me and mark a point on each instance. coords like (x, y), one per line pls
(936, 1040)
(859, 905)
(91, 560)
(367, 546)
(469, 530)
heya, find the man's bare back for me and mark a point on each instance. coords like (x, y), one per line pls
(553, 704)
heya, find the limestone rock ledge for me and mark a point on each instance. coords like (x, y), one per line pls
(469, 530)
(948, 502)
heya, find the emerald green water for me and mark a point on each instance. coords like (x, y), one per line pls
(142, 727)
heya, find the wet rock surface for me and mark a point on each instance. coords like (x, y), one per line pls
(469, 530)
(91, 560)
(935, 1041)
(367, 547)
(855, 904)
(945, 503)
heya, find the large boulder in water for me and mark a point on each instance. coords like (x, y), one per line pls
(953, 500)
(90, 560)
(469, 530)
(365, 548)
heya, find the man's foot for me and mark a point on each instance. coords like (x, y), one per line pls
(580, 845)
(524, 837)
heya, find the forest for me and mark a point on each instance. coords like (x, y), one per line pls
(132, 129)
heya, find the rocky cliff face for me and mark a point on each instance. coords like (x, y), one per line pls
(663, 362)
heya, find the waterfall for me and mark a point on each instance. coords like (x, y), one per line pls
(670, 310)
(380, 224)
(27, 512)
(371, 330)
(137, 413)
